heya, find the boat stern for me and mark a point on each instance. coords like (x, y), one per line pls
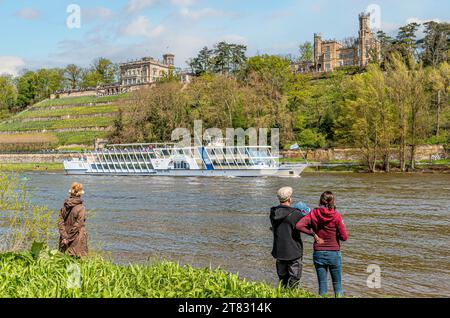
(75, 166)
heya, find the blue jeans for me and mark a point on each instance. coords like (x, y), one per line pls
(332, 261)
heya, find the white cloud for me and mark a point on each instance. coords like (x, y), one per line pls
(141, 26)
(201, 13)
(139, 5)
(11, 65)
(28, 13)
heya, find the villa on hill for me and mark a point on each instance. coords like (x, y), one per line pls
(134, 75)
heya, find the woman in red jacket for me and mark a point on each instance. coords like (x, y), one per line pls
(327, 223)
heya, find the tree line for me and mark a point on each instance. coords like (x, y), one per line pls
(30, 87)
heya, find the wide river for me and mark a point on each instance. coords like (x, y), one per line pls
(398, 222)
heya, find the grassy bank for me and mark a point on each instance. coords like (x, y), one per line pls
(19, 167)
(21, 275)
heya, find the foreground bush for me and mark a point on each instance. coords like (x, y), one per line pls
(47, 276)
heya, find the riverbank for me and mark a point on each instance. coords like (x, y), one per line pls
(441, 167)
(26, 167)
(53, 275)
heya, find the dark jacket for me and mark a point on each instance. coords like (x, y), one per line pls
(328, 225)
(287, 241)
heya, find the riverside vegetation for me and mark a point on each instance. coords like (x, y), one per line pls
(28, 268)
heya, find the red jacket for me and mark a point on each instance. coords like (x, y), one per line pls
(327, 224)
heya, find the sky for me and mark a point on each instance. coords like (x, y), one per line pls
(43, 33)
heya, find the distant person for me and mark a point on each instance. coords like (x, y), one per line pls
(72, 230)
(287, 242)
(327, 223)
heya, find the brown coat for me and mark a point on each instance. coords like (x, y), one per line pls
(72, 227)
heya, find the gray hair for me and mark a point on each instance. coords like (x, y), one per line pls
(284, 194)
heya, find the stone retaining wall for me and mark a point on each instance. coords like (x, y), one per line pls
(34, 158)
(423, 152)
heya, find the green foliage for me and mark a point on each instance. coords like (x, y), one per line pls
(306, 52)
(36, 86)
(24, 221)
(225, 58)
(22, 276)
(8, 95)
(40, 112)
(58, 124)
(80, 137)
(309, 139)
(82, 100)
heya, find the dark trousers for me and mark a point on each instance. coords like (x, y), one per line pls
(290, 272)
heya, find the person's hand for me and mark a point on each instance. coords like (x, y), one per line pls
(318, 239)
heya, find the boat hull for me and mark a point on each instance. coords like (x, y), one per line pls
(80, 168)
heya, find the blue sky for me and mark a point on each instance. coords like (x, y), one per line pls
(34, 33)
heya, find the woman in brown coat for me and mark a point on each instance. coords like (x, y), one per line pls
(72, 230)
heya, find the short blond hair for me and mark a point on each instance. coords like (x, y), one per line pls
(76, 189)
(284, 194)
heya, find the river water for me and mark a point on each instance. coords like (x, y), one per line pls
(398, 222)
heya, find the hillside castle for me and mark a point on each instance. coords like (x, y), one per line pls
(331, 54)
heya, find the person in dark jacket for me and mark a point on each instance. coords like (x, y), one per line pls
(287, 242)
(327, 222)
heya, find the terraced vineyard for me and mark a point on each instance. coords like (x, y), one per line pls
(69, 123)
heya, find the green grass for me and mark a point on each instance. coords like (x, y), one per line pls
(79, 100)
(437, 162)
(80, 137)
(58, 124)
(36, 112)
(18, 167)
(22, 276)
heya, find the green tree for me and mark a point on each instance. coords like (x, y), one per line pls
(47, 81)
(8, 95)
(406, 41)
(440, 83)
(309, 138)
(26, 86)
(72, 75)
(107, 70)
(202, 64)
(90, 79)
(228, 57)
(306, 52)
(436, 43)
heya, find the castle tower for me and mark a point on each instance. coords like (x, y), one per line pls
(365, 39)
(317, 51)
(169, 59)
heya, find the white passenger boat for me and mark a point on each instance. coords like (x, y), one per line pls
(170, 160)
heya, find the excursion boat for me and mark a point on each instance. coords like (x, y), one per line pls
(170, 160)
